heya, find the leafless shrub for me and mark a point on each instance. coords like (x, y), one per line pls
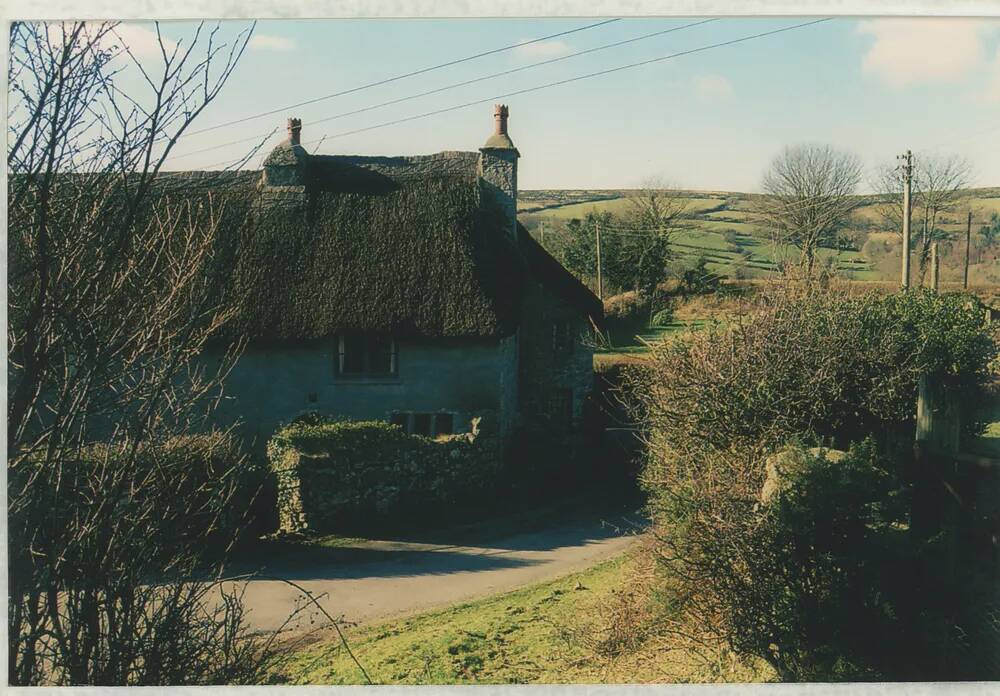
(112, 294)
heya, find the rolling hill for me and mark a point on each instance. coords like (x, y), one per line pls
(722, 227)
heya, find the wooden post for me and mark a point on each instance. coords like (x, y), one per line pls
(968, 244)
(938, 416)
(938, 438)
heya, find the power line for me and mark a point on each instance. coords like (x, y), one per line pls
(455, 85)
(599, 73)
(515, 70)
(403, 76)
(568, 80)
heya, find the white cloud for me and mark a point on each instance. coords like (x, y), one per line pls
(266, 42)
(544, 49)
(712, 87)
(140, 39)
(924, 50)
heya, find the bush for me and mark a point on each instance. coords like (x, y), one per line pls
(828, 552)
(819, 364)
(664, 317)
(196, 494)
(106, 547)
(626, 306)
(698, 280)
(215, 470)
(827, 555)
(359, 474)
(785, 557)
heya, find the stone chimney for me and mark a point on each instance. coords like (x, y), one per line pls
(287, 164)
(498, 169)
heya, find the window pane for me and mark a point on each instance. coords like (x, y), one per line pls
(379, 354)
(422, 424)
(353, 354)
(444, 424)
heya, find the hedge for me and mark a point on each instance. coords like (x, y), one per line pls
(191, 494)
(361, 474)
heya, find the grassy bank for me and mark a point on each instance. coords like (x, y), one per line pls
(555, 632)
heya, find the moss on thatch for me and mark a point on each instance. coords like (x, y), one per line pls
(414, 257)
(408, 245)
(543, 267)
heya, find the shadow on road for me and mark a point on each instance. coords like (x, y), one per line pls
(482, 546)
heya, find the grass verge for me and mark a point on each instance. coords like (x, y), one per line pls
(544, 633)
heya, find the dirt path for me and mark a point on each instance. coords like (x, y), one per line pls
(370, 580)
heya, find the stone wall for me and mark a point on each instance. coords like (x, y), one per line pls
(509, 416)
(271, 385)
(356, 476)
(498, 181)
(544, 369)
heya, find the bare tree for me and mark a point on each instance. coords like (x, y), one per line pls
(937, 188)
(113, 291)
(809, 197)
(654, 213)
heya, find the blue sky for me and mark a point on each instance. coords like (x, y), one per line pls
(709, 120)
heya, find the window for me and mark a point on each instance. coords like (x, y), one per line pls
(559, 407)
(444, 423)
(421, 424)
(366, 355)
(562, 337)
(426, 424)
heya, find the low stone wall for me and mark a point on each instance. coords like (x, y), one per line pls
(354, 475)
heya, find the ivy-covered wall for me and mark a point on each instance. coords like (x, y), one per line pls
(351, 475)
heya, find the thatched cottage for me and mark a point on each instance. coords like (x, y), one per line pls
(403, 289)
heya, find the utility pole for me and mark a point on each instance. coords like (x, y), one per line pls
(968, 244)
(907, 182)
(600, 283)
(541, 228)
(935, 267)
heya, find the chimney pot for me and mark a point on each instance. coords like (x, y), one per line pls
(500, 115)
(294, 130)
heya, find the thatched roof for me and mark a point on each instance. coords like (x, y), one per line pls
(407, 245)
(401, 244)
(387, 244)
(547, 270)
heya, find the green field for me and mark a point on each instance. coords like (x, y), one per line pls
(724, 229)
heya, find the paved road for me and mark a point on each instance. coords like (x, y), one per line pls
(373, 580)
